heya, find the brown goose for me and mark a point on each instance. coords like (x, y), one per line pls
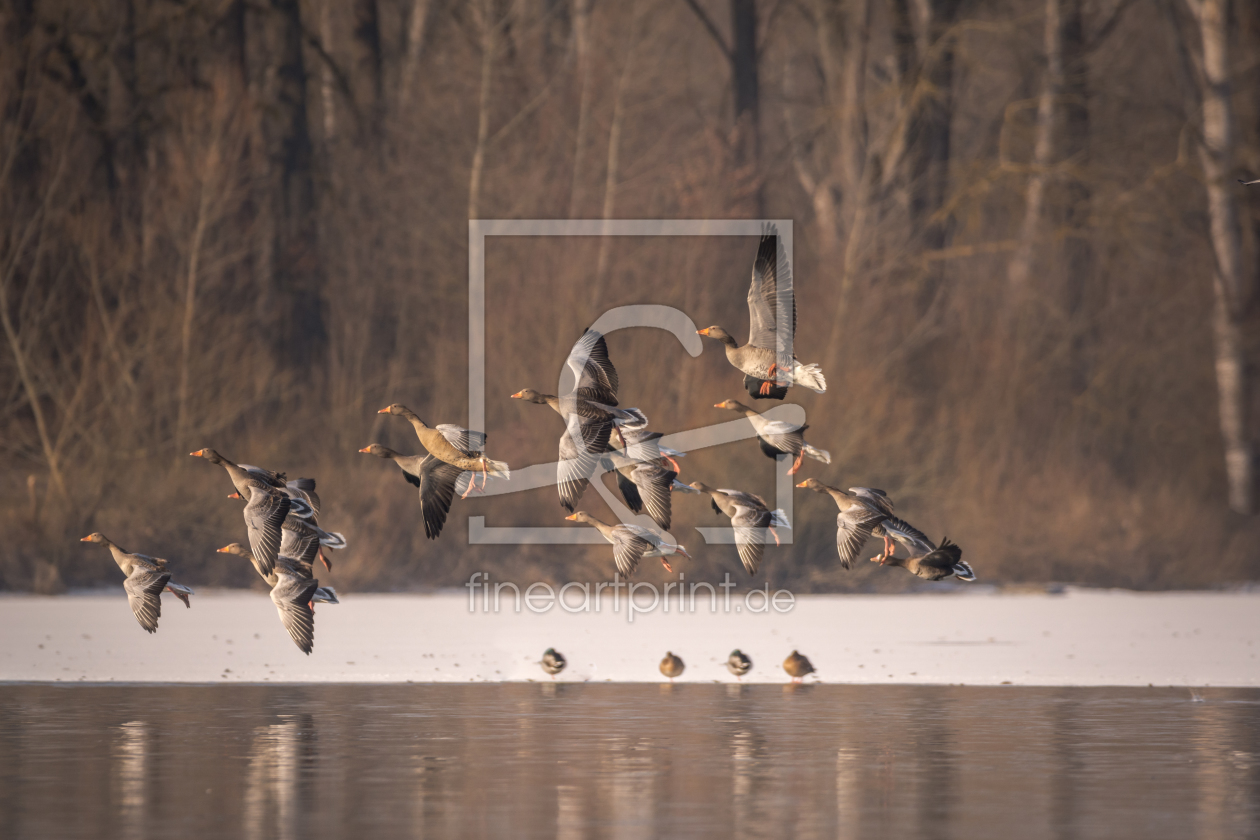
(643, 485)
(147, 578)
(797, 666)
(757, 359)
(590, 415)
(293, 591)
(632, 543)
(779, 438)
(751, 517)
(862, 510)
(265, 509)
(672, 666)
(456, 446)
(934, 564)
(436, 479)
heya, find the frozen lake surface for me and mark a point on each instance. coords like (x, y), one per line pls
(570, 760)
(1081, 637)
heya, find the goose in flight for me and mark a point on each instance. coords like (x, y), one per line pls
(757, 359)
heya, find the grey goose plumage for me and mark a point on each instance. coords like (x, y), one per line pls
(146, 578)
(751, 518)
(590, 413)
(769, 291)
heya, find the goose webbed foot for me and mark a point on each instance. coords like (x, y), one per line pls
(769, 380)
(796, 465)
(774, 534)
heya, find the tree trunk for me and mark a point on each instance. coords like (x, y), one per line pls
(1231, 291)
(417, 28)
(489, 43)
(746, 89)
(1043, 155)
(327, 94)
(614, 158)
(367, 37)
(301, 333)
(582, 44)
(931, 120)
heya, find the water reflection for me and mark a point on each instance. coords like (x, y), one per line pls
(573, 761)
(281, 760)
(131, 759)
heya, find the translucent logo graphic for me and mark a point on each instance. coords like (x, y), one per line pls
(649, 316)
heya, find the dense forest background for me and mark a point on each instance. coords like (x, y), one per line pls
(1022, 259)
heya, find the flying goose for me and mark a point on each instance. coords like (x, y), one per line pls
(456, 446)
(147, 578)
(590, 415)
(265, 509)
(643, 485)
(757, 359)
(751, 517)
(631, 543)
(933, 564)
(862, 510)
(294, 592)
(779, 438)
(437, 481)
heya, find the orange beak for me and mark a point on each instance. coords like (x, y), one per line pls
(802, 484)
(234, 495)
(365, 449)
(85, 539)
(719, 405)
(704, 331)
(197, 454)
(517, 395)
(221, 550)
(574, 516)
(384, 410)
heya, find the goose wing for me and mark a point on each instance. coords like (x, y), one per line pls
(771, 287)
(465, 440)
(654, 483)
(907, 535)
(580, 448)
(264, 518)
(304, 489)
(783, 437)
(629, 491)
(630, 543)
(748, 500)
(292, 596)
(592, 369)
(853, 529)
(437, 490)
(298, 541)
(877, 498)
(944, 558)
(750, 525)
(144, 595)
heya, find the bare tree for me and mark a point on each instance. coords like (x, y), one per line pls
(1231, 287)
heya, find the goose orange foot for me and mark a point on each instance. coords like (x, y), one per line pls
(796, 465)
(768, 383)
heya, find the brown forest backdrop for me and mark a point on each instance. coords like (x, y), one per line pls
(1022, 258)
